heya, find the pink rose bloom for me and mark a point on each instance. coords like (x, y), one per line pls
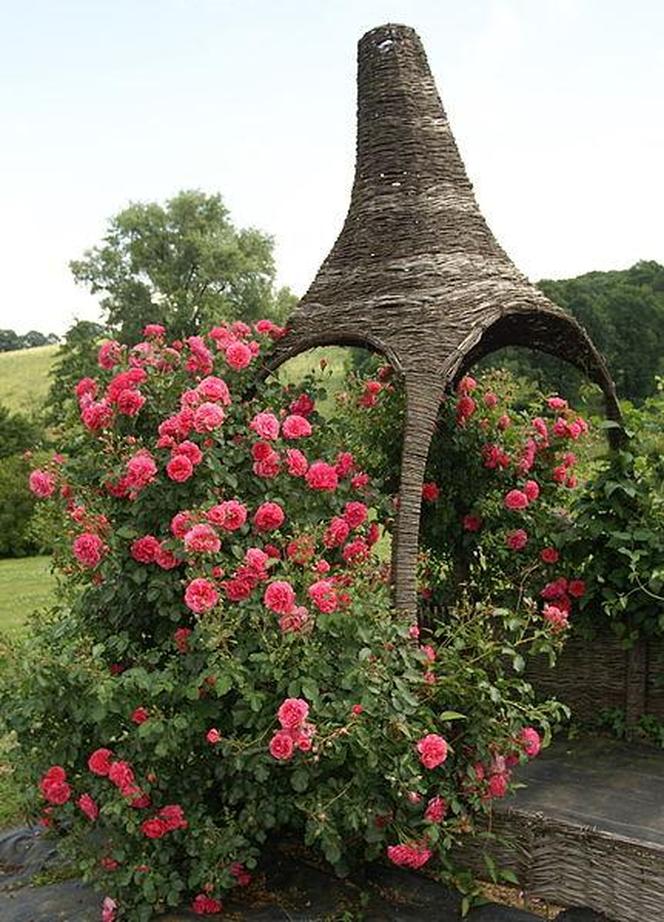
(88, 549)
(295, 427)
(179, 468)
(109, 355)
(208, 417)
(41, 483)
(213, 736)
(557, 618)
(465, 408)
(229, 515)
(556, 403)
(282, 746)
(302, 405)
(516, 540)
(99, 762)
(145, 550)
(324, 596)
(345, 463)
(181, 638)
(141, 470)
(472, 522)
(294, 620)
(292, 713)
(213, 388)
(238, 355)
(531, 742)
(490, 400)
(296, 462)
(96, 416)
(466, 385)
(549, 555)
(504, 422)
(515, 499)
(241, 874)
(200, 596)
(130, 402)
(498, 785)
(266, 426)
(560, 428)
(54, 787)
(576, 588)
(532, 490)
(322, 476)
(412, 856)
(108, 908)
(88, 806)
(279, 597)
(86, 387)
(336, 532)
(154, 828)
(432, 749)
(269, 517)
(202, 539)
(355, 513)
(153, 329)
(173, 817)
(181, 523)
(430, 492)
(189, 450)
(436, 810)
(554, 589)
(256, 560)
(204, 905)
(140, 715)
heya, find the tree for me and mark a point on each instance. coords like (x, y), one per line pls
(17, 432)
(183, 264)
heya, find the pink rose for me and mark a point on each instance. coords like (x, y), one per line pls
(108, 908)
(515, 499)
(88, 806)
(532, 490)
(322, 476)
(269, 517)
(432, 749)
(336, 532)
(130, 402)
(412, 856)
(179, 468)
(146, 549)
(96, 416)
(436, 810)
(296, 462)
(204, 905)
(355, 513)
(498, 785)
(238, 355)
(208, 417)
(292, 713)
(99, 762)
(516, 540)
(549, 555)
(557, 403)
(302, 405)
(229, 515)
(109, 355)
(189, 450)
(266, 426)
(200, 596)
(202, 539)
(213, 736)
(279, 597)
(296, 427)
(531, 742)
(324, 596)
(556, 616)
(121, 775)
(89, 549)
(213, 388)
(141, 470)
(282, 746)
(41, 483)
(154, 828)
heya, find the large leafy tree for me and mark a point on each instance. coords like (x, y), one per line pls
(184, 264)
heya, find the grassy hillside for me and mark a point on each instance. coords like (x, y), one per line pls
(24, 380)
(25, 585)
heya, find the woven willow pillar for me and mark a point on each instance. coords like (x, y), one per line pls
(417, 275)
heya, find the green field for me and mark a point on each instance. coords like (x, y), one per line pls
(25, 585)
(24, 380)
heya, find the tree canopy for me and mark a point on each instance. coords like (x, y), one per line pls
(182, 263)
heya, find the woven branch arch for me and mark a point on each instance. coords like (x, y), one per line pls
(416, 273)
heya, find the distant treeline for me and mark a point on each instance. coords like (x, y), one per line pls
(11, 341)
(623, 312)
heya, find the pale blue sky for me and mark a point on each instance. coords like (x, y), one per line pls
(556, 105)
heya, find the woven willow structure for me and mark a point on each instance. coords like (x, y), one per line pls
(416, 273)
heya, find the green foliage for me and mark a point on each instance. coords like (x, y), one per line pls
(183, 264)
(18, 432)
(75, 359)
(16, 508)
(623, 311)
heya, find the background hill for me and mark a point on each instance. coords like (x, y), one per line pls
(24, 380)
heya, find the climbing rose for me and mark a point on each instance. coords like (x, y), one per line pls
(515, 499)
(189, 450)
(556, 617)
(430, 492)
(576, 588)
(141, 470)
(109, 355)
(355, 513)
(54, 787)
(322, 476)
(140, 715)
(531, 742)
(99, 762)
(88, 549)
(213, 736)
(154, 828)
(121, 775)
(215, 389)
(208, 417)
(295, 427)
(409, 856)
(200, 596)
(549, 555)
(88, 806)
(302, 405)
(108, 909)
(281, 745)
(179, 468)
(432, 749)
(498, 785)
(204, 905)
(296, 462)
(41, 483)
(532, 490)
(292, 713)
(268, 517)
(279, 597)
(229, 515)
(516, 540)
(238, 355)
(472, 522)
(436, 810)
(202, 539)
(97, 416)
(130, 402)
(336, 532)
(145, 550)
(324, 596)
(557, 403)
(265, 425)
(181, 638)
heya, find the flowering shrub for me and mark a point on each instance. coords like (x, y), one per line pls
(230, 668)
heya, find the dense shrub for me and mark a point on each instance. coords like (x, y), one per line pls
(230, 668)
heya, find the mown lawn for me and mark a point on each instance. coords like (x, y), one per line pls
(26, 583)
(24, 380)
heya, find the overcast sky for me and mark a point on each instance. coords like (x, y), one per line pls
(556, 106)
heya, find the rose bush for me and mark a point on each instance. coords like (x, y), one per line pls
(229, 668)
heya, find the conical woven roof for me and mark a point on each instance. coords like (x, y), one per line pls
(416, 272)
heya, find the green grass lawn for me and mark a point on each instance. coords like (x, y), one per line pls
(24, 380)
(26, 583)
